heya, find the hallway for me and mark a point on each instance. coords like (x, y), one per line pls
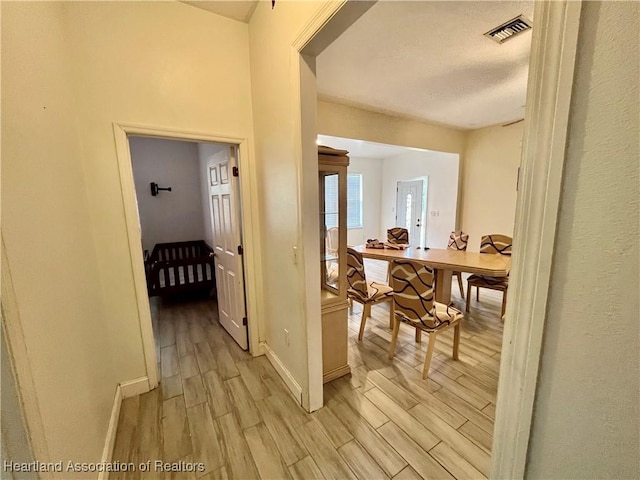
(219, 406)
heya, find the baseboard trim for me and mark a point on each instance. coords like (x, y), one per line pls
(336, 373)
(107, 452)
(284, 373)
(134, 387)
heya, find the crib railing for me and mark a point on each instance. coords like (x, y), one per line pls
(180, 267)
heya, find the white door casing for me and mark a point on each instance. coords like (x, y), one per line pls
(409, 206)
(227, 244)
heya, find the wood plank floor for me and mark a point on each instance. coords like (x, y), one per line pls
(219, 406)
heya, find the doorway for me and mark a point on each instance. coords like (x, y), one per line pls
(548, 95)
(251, 269)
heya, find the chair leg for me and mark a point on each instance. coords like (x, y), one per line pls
(504, 303)
(391, 313)
(394, 338)
(367, 309)
(427, 359)
(351, 305)
(456, 341)
(468, 296)
(418, 335)
(477, 294)
(363, 321)
(459, 275)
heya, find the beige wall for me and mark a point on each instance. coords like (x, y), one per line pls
(489, 160)
(275, 96)
(489, 175)
(69, 70)
(350, 122)
(586, 417)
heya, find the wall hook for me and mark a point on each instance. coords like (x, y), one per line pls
(155, 189)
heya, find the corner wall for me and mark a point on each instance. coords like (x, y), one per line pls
(488, 187)
(46, 226)
(69, 71)
(587, 407)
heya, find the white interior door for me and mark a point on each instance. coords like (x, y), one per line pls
(227, 244)
(409, 209)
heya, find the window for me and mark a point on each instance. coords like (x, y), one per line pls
(354, 200)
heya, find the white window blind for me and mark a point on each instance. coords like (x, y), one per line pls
(331, 201)
(354, 200)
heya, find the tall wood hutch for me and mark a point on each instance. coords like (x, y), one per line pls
(332, 167)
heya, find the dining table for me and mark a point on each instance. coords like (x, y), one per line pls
(444, 262)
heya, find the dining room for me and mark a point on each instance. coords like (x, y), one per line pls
(430, 201)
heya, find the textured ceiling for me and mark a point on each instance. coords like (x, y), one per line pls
(430, 60)
(240, 10)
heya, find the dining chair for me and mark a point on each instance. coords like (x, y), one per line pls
(332, 239)
(366, 293)
(414, 304)
(398, 236)
(458, 241)
(494, 244)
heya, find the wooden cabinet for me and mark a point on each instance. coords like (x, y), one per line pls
(332, 168)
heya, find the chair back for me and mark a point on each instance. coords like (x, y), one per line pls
(458, 241)
(496, 243)
(355, 274)
(332, 239)
(413, 293)
(398, 235)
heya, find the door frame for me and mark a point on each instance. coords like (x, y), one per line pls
(249, 224)
(553, 54)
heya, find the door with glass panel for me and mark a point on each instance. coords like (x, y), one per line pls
(410, 208)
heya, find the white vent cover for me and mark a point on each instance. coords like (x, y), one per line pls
(509, 29)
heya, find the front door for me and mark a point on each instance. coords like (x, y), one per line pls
(409, 209)
(227, 244)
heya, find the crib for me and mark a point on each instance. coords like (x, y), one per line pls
(180, 267)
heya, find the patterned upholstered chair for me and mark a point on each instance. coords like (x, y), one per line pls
(495, 244)
(458, 241)
(414, 304)
(366, 293)
(398, 236)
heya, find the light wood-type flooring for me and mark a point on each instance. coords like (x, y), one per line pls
(219, 406)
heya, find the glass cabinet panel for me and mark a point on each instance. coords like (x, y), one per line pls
(329, 222)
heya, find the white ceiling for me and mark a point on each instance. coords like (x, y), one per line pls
(362, 149)
(240, 10)
(429, 60)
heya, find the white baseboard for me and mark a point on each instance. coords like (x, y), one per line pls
(107, 452)
(284, 373)
(134, 387)
(124, 390)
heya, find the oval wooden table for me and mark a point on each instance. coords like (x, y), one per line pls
(445, 262)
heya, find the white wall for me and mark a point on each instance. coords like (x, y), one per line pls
(175, 216)
(586, 421)
(488, 187)
(371, 170)
(442, 172)
(205, 152)
(69, 71)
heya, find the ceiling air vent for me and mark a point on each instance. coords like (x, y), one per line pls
(509, 29)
